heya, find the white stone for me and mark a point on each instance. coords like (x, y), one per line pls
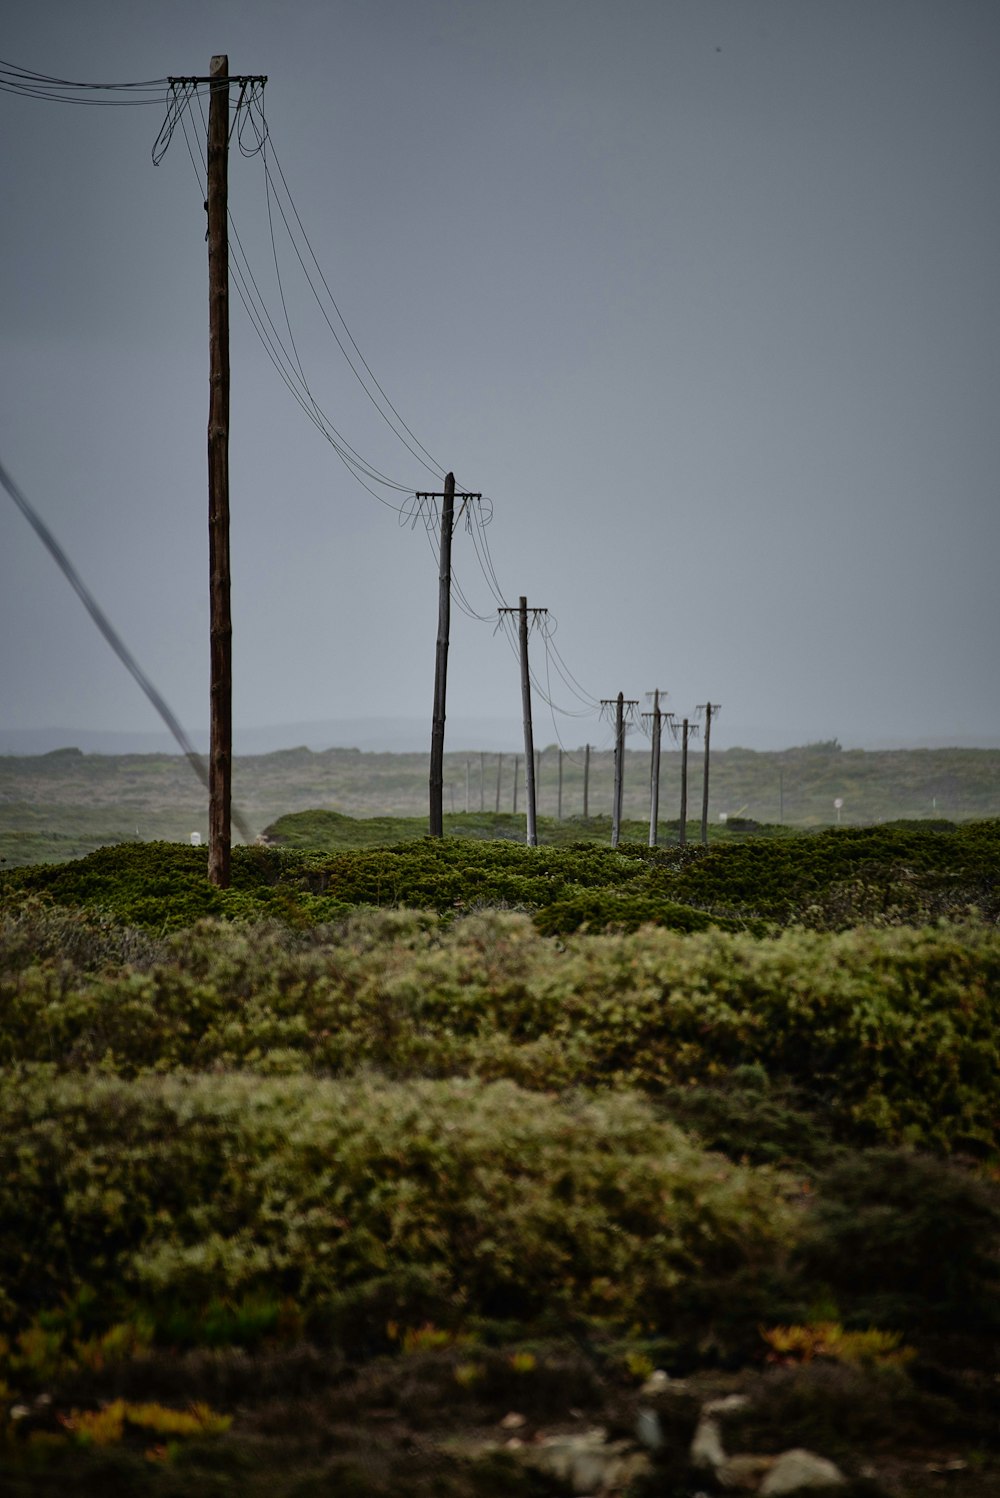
(648, 1431)
(799, 1470)
(706, 1447)
(726, 1405)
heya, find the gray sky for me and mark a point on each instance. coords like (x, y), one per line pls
(702, 295)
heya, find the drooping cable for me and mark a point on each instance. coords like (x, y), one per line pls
(114, 639)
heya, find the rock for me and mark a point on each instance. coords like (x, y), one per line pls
(648, 1430)
(744, 1473)
(726, 1405)
(588, 1464)
(799, 1470)
(656, 1383)
(706, 1447)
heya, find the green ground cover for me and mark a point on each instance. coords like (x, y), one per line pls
(304, 1182)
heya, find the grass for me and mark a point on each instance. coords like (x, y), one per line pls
(59, 805)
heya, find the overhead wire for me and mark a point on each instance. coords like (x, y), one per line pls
(253, 136)
(114, 639)
(266, 330)
(17, 80)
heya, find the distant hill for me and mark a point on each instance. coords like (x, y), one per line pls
(412, 736)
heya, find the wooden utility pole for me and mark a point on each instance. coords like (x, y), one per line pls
(656, 726)
(586, 782)
(619, 703)
(499, 773)
(559, 795)
(687, 729)
(529, 742)
(441, 657)
(220, 760)
(517, 772)
(708, 708)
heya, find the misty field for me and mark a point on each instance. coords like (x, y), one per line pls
(330, 1182)
(64, 804)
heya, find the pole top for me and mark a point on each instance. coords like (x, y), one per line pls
(220, 65)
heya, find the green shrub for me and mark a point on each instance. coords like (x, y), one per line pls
(187, 1191)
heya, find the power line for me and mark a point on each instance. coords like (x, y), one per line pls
(112, 636)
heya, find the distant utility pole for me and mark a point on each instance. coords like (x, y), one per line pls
(517, 772)
(619, 703)
(441, 656)
(499, 773)
(586, 782)
(529, 742)
(559, 795)
(708, 708)
(656, 730)
(687, 729)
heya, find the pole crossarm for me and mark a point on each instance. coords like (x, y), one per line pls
(243, 79)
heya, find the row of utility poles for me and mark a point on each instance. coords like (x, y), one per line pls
(622, 707)
(221, 631)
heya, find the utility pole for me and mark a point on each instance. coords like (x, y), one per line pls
(656, 726)
(447, 498)
(529, 743)
(220, 759)
(619, 703)
(708, 708)
(687, 729)
(517, 772)
(586, 782)
(499, 773)
(441, 657)
(467, 787)
(220, 754)
(559, 796)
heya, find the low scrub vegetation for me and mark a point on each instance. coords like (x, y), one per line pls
(445, 1130)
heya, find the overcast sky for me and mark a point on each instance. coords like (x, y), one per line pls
(703, 296)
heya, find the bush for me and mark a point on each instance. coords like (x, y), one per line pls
(185, 1191)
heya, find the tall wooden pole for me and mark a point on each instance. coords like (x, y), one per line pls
(616, 810)
(559, 799)
(441, 659)
(586, 782)
(499, 774)
(682, 829)
(704, 792)
(529, 740)
(654, 771)
(220, 760)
